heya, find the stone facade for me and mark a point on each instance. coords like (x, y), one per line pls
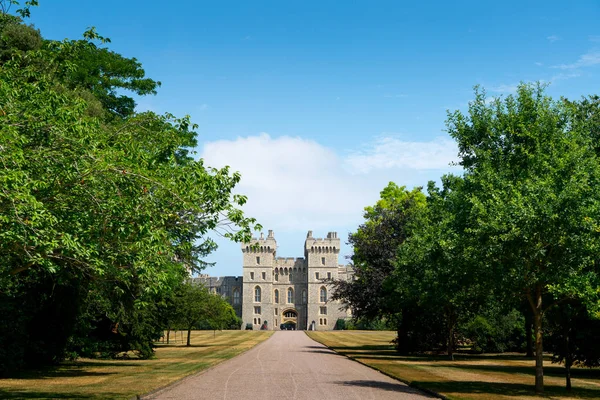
(277, 292)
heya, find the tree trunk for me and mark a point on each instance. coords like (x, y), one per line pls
(451, 342)
(168, 335)
(568, 359)
(402, 343)
(536, 307)
(568, 373)
(189, 334)
(528, 335)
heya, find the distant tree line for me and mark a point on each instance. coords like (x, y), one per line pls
(504, 256)
(103, 210)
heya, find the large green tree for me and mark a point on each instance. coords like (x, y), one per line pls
(434, 276)
(387, 225)
(101, 214)
(533, 181)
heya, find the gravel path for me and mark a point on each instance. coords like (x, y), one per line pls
(290, 365)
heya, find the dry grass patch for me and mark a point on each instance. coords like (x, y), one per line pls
(124, 379)
(502, 376)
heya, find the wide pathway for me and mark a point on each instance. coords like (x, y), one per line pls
(290, 365)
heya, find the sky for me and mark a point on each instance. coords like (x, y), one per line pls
(319, 104)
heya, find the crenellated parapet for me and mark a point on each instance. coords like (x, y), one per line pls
(261, 244)
(328, 245)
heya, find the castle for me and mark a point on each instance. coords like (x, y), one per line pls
(285, 293)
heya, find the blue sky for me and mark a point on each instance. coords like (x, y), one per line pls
(320, 104)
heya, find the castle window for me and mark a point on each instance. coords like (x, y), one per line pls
(264, 275)
(290, 277)
(316, 275)
(258, 260)
(257, 310)
(259, 321)
(254, 321)
(276, 276)
(236, 296)
(323, 295)
(322, 260)
(290, 295)
(304, 297)
(257, 294)
(320, 321)
(323, 310)
(324, 321)
(329, 275)
(276, 311)
(252, 275)
(276, 296)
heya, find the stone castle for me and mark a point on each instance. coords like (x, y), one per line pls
(285, 293)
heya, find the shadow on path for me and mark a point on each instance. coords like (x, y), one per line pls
(391, 387)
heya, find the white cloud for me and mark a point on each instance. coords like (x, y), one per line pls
(390, 152)
(561, 76)
(295, 184)
(203, 107)
(588, 59)
(504, 88)
(539, 64)
(552, 38)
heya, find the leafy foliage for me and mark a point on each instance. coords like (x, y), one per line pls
(103, 212)
(520, 225)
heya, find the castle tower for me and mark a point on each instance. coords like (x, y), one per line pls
(287, 292)
(322, 262)
(258, 262)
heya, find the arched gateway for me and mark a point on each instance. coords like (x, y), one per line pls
(289, 319)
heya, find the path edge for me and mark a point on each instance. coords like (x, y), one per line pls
(407, 383)
(193, 375)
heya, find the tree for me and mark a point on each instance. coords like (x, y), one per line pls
(387, 224)
(100, 216)
(101, 72)
(434, 276)
(220, 314)
(193, 303)
(532, 177)
(572, 335)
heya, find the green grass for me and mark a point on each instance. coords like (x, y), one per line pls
(487, 376)
(124, 379)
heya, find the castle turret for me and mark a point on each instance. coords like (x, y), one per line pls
(322, 262)
(258, 261)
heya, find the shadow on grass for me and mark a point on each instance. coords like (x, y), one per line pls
(183, 346)
(504, 389)
(19, 394)
(388, 386)
(554, 370)
(57, 373)
(71, 369)
(388, 351)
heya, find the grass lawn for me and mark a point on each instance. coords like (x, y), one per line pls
(124, 379)
(488, 376)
